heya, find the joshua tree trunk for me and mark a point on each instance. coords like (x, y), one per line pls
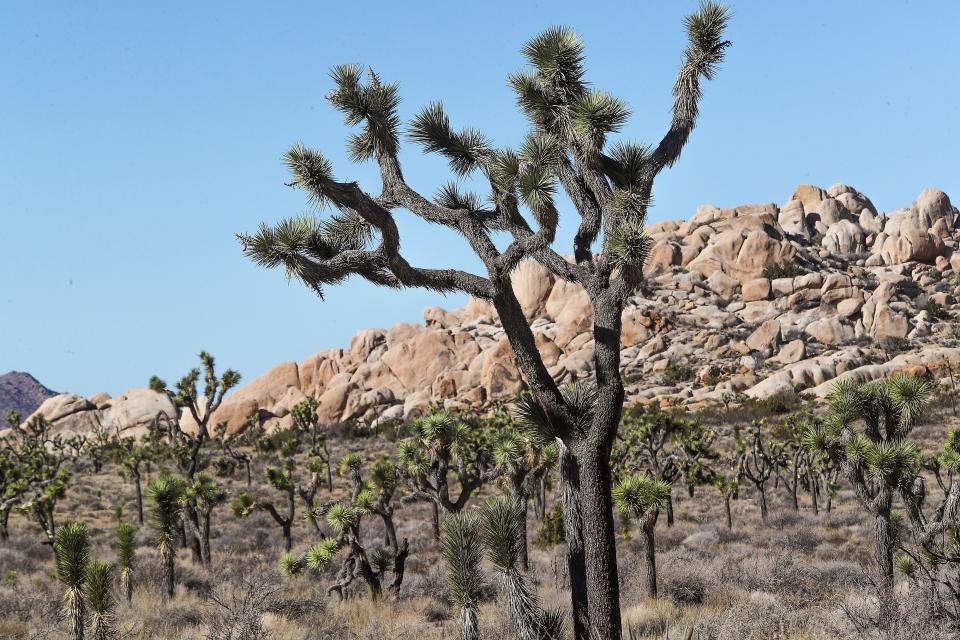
(762, 491)
(670, 511)
(205, 539)
(647, 525)
(883, 551)
(139, 492)
(726, 508)
(435, 519)
(399, 564)
(814, 488)
(126, 584)
(168, 574)
(599, 548)
(5, 521)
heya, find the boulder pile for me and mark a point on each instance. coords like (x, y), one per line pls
(756, 300)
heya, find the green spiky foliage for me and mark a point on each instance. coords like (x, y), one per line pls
(667, 445)
(100, 601)
(500, 529)
(642, 497)
(133, 457)
(72, 547)
(126, 546)
(569, 147)
(166, 496)
(523, 461)
(199, 499)
(462, 548)
(443, 447)
(866, 433)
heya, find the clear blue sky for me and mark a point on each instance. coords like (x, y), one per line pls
(137, 138)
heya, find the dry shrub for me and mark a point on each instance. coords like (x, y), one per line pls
(238, 604)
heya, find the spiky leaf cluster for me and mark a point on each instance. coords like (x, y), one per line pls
(637, 494)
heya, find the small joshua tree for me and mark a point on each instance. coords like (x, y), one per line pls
(756, 462)
(126, 555)
(166, 494)
(642, 497)
(199, 499)
(100, 602)
(280, 478)
(522, 460)
(443, 446)
(73, 551)
(876, 458)
(610, 185)
(728, 488)
(306, 420)
(462, 548)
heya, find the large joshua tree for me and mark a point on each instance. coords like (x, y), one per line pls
(610, 187)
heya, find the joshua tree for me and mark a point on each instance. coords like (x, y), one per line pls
(666, 445)
(877, 459)
(186, 445)
(933, 559)
(232, 455)
(126, 555)
(443, 445)
(609, 185)
(200, 497)
(728, 488)
(133, 457)
(306, 420)
(72, 546)
(756, 461)
(523, 462)
(166, 494)
(100, 602)
(462, 548)
(642, 497)
(280, 478)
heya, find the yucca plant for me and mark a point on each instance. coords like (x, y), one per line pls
(500, 528)
(642, 497)
(166, 494)
(73, 552)
(100, 602)
(126, 556)
(462, 548)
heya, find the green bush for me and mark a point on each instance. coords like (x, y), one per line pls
(675, 373)
(551, 532)
(782, 270)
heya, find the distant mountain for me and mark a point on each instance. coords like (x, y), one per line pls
(21, 392)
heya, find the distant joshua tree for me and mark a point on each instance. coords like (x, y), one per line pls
(282, 479)
(756, 461)
(610, 186)
(199, 499)
(166, 494)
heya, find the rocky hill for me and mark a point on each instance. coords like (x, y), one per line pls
(755, 300)
(22, 393)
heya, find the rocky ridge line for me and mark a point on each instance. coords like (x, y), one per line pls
(706, 327)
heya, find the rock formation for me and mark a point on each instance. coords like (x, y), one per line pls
(755, 300)
(22, 393)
